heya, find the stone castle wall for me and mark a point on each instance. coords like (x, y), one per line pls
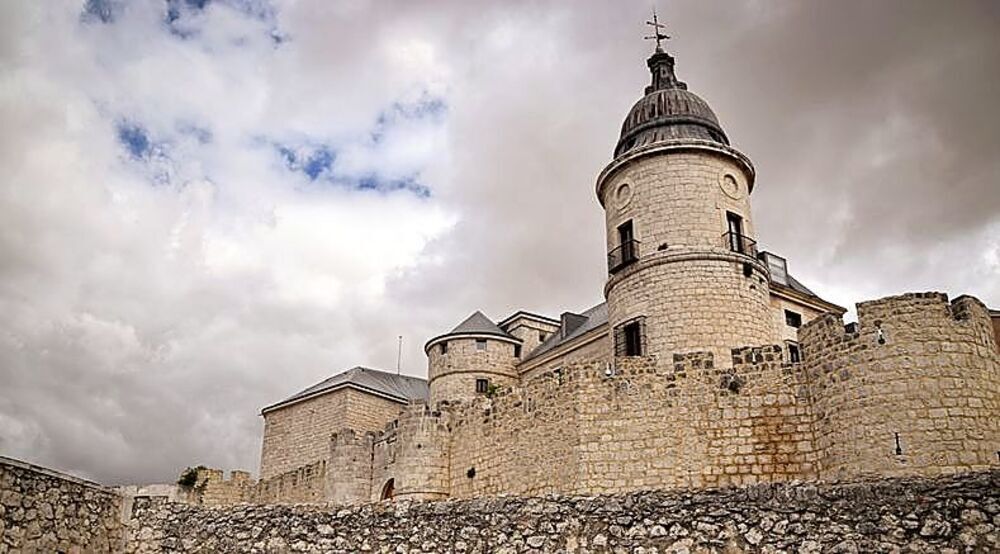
(413, 453)
(299, 434)
(919, 515)
(522, 441)
(452, 375)
(303, 484)
(933, 379)
(214, 489)
(46, 511)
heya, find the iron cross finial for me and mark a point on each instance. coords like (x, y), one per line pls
(657, 35)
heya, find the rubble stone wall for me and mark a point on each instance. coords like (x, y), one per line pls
(953, 514)
(42, 510)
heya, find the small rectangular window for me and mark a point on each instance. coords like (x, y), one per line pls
(793, 319)
(480, 344)
(794, 354)
(482, 386)
(542, 336)
(444, 347)
(633, 339)
(517, 350)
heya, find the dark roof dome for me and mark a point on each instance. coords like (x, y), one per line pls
(668, 111)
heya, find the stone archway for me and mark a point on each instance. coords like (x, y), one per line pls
(388, 490)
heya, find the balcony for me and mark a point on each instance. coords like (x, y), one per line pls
(740, 243)
(622, 256)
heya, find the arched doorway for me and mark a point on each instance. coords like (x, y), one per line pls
(388, 490)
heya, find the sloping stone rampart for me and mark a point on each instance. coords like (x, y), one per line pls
(943, 515)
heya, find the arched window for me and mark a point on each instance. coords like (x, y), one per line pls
(388, 490)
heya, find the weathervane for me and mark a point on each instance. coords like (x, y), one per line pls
(657, 35)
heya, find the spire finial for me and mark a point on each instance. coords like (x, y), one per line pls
(657, 34)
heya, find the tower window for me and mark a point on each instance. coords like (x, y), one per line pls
(793, 319)
(444, 347)
(794, 352)
(542, 336)
(482, 385)
(517, 350)
(480, 344)
(734, 224)
(630, 338)
(627, 250)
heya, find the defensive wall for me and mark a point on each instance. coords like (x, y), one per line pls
(915, 369)
(912, 388)
(949, 514)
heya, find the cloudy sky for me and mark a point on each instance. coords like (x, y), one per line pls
(206, 206)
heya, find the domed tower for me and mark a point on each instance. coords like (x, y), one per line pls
(682, 260)
(471, 360)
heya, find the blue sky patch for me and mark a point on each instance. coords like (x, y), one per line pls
(104, 11)
(427, 107)
(135, 139)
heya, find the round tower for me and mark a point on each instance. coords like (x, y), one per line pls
(471, 360)
(682, 259)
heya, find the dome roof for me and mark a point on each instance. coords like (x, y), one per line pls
(668, 111)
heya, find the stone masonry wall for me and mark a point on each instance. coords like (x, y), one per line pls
(686, 283)
(303, 484)
(299, 434)
(522, 441)
(693, 424)
(945, 515)
(215, 490)
(452, 375)
(933, 378)
(413, 453)
(46, 511)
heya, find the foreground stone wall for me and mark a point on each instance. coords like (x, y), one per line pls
(46, 511)
(943, 515)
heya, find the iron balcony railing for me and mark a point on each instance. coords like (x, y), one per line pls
(740, 243)
(622, 256)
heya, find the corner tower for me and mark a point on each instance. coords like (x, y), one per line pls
(470, 360)
(682, 260)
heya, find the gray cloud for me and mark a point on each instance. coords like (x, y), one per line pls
(146, 324)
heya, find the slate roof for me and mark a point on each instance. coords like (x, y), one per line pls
(596, 316)
(478, 324)
(475, 324)
(401, 388)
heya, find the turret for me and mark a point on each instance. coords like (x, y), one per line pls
(473, 359)
(683, 271)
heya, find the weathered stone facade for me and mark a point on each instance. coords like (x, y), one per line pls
(945, 515)
(299, 434)
(454, 364)
(46, 511)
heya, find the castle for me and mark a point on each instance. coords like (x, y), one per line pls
(708, 365)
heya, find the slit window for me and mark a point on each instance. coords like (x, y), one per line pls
(482, 385)
(793, 319)
(444, 347)
(542, 336)
(517, 350)
(480, 344)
